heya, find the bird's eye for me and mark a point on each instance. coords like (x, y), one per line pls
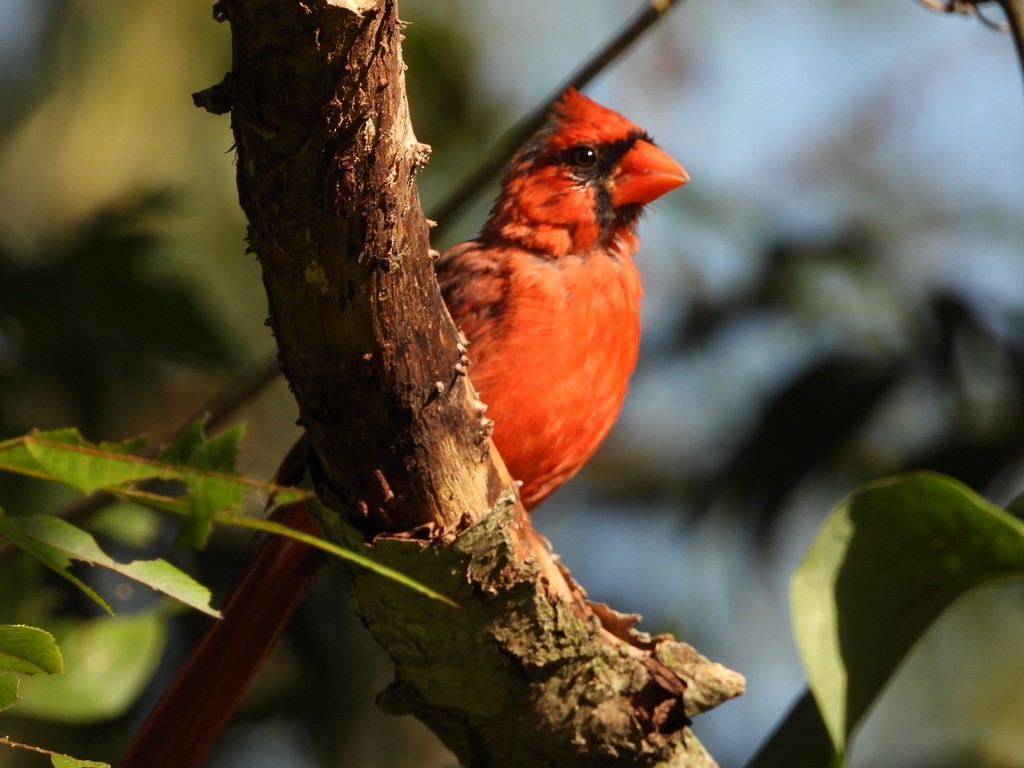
(583, 156)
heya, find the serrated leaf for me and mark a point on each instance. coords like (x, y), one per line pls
(52, 558)
(208, 495)
(77, 544)
(14, 457)
(207, 472)
(64, 456)
(183, 445)
(126, 447)
(8, 689)
(193, 449)
(108, 664)
(88, 467)
(29, 650)
(220, 452)
(886, 562)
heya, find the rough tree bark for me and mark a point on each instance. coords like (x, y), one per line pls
(526, 672)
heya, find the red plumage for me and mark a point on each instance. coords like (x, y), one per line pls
(549, 298)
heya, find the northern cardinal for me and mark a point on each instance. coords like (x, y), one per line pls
(549, 298)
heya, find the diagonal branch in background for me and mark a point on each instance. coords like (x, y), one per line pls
(527, 126)
(527, 672)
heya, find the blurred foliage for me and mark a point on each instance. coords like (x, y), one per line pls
(86, 317)
(825, 415)
(107, 664)
(25, 78)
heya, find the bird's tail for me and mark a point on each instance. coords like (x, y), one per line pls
(183, 727)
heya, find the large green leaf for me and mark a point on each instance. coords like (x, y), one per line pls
(886, 562)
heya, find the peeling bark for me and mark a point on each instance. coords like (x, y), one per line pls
(526, 672)
(517, 677)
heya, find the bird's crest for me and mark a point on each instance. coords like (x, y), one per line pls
(576, 110)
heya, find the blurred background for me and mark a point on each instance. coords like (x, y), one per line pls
(837, 296)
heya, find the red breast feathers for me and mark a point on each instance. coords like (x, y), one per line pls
(548, 294)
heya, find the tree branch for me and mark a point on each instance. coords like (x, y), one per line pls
(1014, 10)
(527, 672)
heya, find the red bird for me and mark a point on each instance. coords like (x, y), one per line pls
(549, 298)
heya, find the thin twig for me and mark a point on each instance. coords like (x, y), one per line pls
(238, 392)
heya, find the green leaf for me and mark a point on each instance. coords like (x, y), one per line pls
(88, 467)
(65, 761)
(208, 495)
(29, 650)
(183, 445)
(271, 526)
(64, 456)
(108, 662)
(52, 558)
(15, 457)
(220, 452)
(886, 562)
(193, 449)
(125, 447)
(8, 689)
(204, 466)
(77, 544)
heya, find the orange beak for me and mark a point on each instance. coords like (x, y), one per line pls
(645, 173)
